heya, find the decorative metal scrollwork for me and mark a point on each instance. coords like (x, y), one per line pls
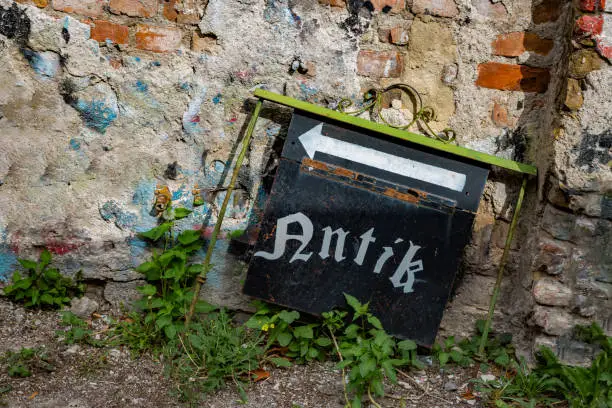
(422, 115)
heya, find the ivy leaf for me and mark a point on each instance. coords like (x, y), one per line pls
(156, 233)
(189, 236)
(289, 317)
(284, 339)
(181, 212)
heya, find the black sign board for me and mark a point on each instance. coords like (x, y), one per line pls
(353, 211)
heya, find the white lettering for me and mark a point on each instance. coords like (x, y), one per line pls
(341, 236)
(366, 239)
(407, 267)
(282, 236)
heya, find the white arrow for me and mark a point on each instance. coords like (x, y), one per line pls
(314, 141)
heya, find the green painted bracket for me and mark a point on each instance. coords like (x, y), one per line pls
(397, 133)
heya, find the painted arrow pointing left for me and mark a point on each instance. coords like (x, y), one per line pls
(314, 141)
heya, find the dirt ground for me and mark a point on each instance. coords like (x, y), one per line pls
(88, 377)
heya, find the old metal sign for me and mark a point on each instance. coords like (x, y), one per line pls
(354, 211)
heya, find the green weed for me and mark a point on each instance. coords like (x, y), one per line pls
(27, 360)
(43, 287)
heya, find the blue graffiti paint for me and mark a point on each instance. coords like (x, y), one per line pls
(185, 86)
(75, 144)
(307, 91)
(143, 198)
(156, 64)
(137, 59)
(8, 262)
(138, 250)
(112, 211)
(96, 114)
(217, 99)
(45, 63)
(142, 86)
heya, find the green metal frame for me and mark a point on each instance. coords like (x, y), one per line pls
(397, 133)
(525, 169)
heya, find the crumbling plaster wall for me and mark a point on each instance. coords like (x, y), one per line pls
(100, 100)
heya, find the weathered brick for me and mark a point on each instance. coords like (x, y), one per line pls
(384, 34)
(592, 5)
(379, 64)
(37, 3)
(516, 43)
(604, 41)
(399, 35)
(486, 8)
(392, 6)
(584, 61)
(604, 47)
(552, 320)
(442, 8)
(589, 25)
(105, 30)
(158, 39)
(573, 95)
(204, 43)
(547, 10)
(91, 8)
(499, 115)
(510, 77)
(551, 292)
(169, 11)
(134, 8)
(333, 3)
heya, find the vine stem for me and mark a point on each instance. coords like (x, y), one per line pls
(346, 398)
(376, 404)
(201, 279)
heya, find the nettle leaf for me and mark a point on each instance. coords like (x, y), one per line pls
(146, 267)
(284, 339)
(373, 320)
(353, 302)
(156, 233)
(163, 321)
(407, 345)
(323, 341)
(205, 307)
(189, 236)
(390, 370)
(449, 342)
(456, 356)
(31, 265)
(147, 290)
(181, 212)
(281, 362)
(443, 358)
(366, 366)
(304, 332)
(170, 331)
(195, 341)
(288, 316)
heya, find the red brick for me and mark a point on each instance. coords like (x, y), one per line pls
(499, 115)
(379, 64)
(510, 77)
(333, 3)
(384, 34)
(592, 5)
(442, 8)
(547, 10)
(169, 11)
(105, 30)
(394, 6)
(399, 35)
(134, 8)
(591, 25)
(158, 39)
(91, 8)
(37, 3)
(604, 48)
(514, 44)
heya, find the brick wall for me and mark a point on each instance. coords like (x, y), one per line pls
(123, 95)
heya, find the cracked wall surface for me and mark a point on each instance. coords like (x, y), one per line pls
(101, 101)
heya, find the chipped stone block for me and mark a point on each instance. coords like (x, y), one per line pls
(441, 8)
(134, 8)
(551, 292)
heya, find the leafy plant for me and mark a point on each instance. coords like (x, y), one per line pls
(25, 361)
(77, 331)
(367, 351)
(211, 353)
(170, 276)
(43, 287)
(304, 342)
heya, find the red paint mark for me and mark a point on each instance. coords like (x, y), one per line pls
(592, 25)
(604, 49)
(61, 248)
(195, 119)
